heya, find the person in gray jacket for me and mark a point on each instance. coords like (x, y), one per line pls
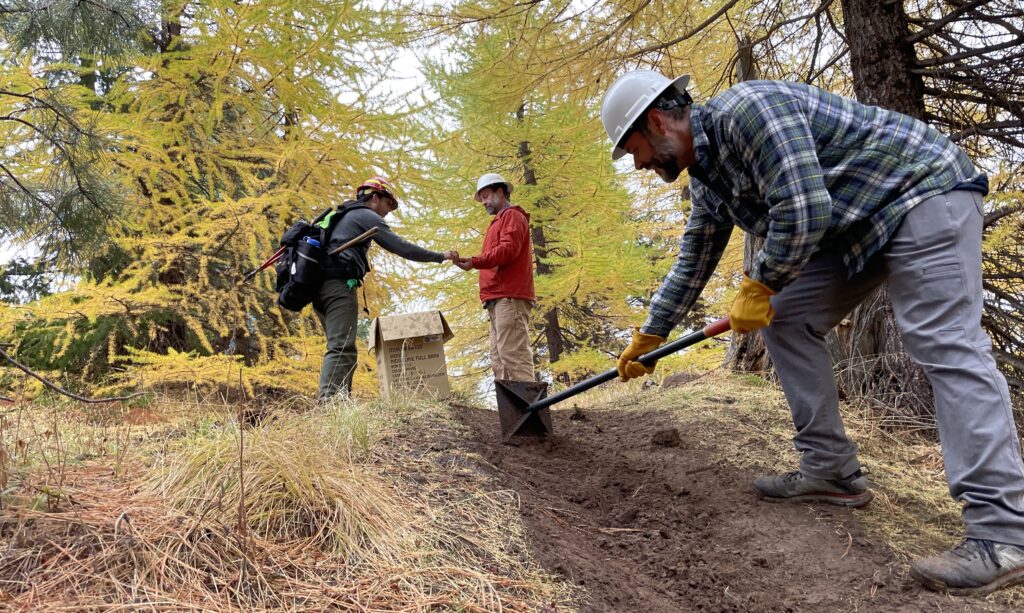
(337, 305)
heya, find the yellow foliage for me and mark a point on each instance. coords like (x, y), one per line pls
(256, 115)
(219, 144)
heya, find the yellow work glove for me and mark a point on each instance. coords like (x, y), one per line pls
(752, 309)
(642, 343)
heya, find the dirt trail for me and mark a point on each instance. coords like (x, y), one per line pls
(645, 521)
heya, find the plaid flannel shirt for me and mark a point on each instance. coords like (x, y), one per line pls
(806, 170)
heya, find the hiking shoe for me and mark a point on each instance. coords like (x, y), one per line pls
(974, 567)
(851, 491)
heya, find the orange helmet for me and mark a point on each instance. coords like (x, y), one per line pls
(379, 185)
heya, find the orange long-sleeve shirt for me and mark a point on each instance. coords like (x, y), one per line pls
(506, 262)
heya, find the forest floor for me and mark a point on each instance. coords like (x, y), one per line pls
(645, 501)
(640, 501)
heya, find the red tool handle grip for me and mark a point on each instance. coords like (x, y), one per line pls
(716, 327)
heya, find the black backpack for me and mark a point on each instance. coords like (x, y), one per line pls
(299, 271)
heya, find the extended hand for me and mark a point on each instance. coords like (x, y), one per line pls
(464, 263)
(752, 308)
(642, 343)
(451, 255)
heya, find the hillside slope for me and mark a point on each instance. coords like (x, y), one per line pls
(644, 499)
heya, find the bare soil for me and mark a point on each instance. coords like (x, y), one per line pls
(631, 507)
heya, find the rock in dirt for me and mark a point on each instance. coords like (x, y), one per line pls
(678, 379)
(667, 438)
(578, 415)
(721, 399)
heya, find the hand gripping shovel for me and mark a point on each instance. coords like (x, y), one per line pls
(523, 405)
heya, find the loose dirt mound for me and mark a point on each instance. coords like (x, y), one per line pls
(645, 520)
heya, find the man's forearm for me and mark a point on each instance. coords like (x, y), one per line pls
(699, 253)
(670, 304)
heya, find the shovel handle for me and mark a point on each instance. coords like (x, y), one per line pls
(278, 254)
(710, 330)
(269, 262)
(355, 241)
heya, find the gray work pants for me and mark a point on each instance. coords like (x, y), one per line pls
(337, 307)
(933, 269)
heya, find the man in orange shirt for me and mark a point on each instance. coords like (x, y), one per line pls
(506, 280)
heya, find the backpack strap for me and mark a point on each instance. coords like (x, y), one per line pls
(330, 221)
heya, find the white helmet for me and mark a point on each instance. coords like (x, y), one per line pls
(628, 97)
(489, 179)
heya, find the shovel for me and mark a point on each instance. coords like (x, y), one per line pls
(523, 405)
(267, 264)
(355, 241)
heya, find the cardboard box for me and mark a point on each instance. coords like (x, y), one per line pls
(410, 352)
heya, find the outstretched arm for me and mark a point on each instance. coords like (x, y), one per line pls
(704, 240)
(397, 245)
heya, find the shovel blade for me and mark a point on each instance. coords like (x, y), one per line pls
(513, 399)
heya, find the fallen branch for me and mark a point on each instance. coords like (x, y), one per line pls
(59, 389)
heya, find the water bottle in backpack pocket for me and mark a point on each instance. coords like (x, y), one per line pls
(298, 273)
(306, 265)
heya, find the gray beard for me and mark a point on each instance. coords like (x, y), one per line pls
(665, 161)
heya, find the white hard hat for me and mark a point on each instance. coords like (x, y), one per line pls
(628, 97)
(489, 179)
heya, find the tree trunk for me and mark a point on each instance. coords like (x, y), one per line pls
(867, 346)
(881, 59)
(87, 76)
(551, 328)
(747, 352)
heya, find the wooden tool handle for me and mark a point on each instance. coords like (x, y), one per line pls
(355, 241)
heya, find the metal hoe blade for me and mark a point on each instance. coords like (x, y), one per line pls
(514, 397)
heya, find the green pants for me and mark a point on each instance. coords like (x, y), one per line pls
(337, 306)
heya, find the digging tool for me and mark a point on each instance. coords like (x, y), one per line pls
(279, 253)
(523, 405)
(355, 241)
(265, 265)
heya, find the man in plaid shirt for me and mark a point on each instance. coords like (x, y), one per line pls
(847, 197)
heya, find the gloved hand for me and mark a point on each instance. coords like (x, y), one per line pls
(642, 343)
(752, 309)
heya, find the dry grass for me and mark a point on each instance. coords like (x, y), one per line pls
(343, 508)
(301, 479)
(355, 506)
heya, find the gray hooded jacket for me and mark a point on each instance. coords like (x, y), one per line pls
(353, 262)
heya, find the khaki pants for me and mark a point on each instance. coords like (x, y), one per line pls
(511, 357)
